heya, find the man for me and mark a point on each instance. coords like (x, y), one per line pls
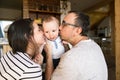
(85, 60)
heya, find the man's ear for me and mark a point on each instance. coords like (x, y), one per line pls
(78, 30)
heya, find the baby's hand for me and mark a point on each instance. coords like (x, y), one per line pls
(38, 59)
(65, 42)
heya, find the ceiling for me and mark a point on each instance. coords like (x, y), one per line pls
(83, 4)
(96, 9)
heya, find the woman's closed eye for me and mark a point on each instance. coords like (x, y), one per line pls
(39, 30)
(46, 32)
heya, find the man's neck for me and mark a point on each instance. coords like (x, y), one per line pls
(78, 39)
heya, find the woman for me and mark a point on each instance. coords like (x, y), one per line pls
(25, 38)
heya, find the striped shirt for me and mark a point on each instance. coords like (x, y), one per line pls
(19, 67)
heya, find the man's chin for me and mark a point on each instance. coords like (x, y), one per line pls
(63, 39)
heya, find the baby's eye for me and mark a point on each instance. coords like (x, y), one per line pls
(53, 31)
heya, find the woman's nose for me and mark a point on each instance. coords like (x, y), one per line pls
(42, 32)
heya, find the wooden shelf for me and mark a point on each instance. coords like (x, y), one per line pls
(41, 11)
(41, 8)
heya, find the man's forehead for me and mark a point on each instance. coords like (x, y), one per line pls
(70, 17)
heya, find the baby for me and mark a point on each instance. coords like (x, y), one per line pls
(51, 32)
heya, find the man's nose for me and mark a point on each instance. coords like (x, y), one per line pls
(60, 27)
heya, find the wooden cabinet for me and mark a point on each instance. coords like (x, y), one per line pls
(42, 8)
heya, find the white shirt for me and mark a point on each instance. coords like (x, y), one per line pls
(57, 48)
(85, 61)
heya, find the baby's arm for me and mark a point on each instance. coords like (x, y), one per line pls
(49, 62)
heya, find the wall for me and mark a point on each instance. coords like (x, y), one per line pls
(10, 14)
(117, 38)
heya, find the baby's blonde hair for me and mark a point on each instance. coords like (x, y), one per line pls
(50, 18)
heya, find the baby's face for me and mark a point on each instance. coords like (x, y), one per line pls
(51, 30)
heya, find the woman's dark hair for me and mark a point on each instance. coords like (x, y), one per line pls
(19, 34)
(82, 20)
